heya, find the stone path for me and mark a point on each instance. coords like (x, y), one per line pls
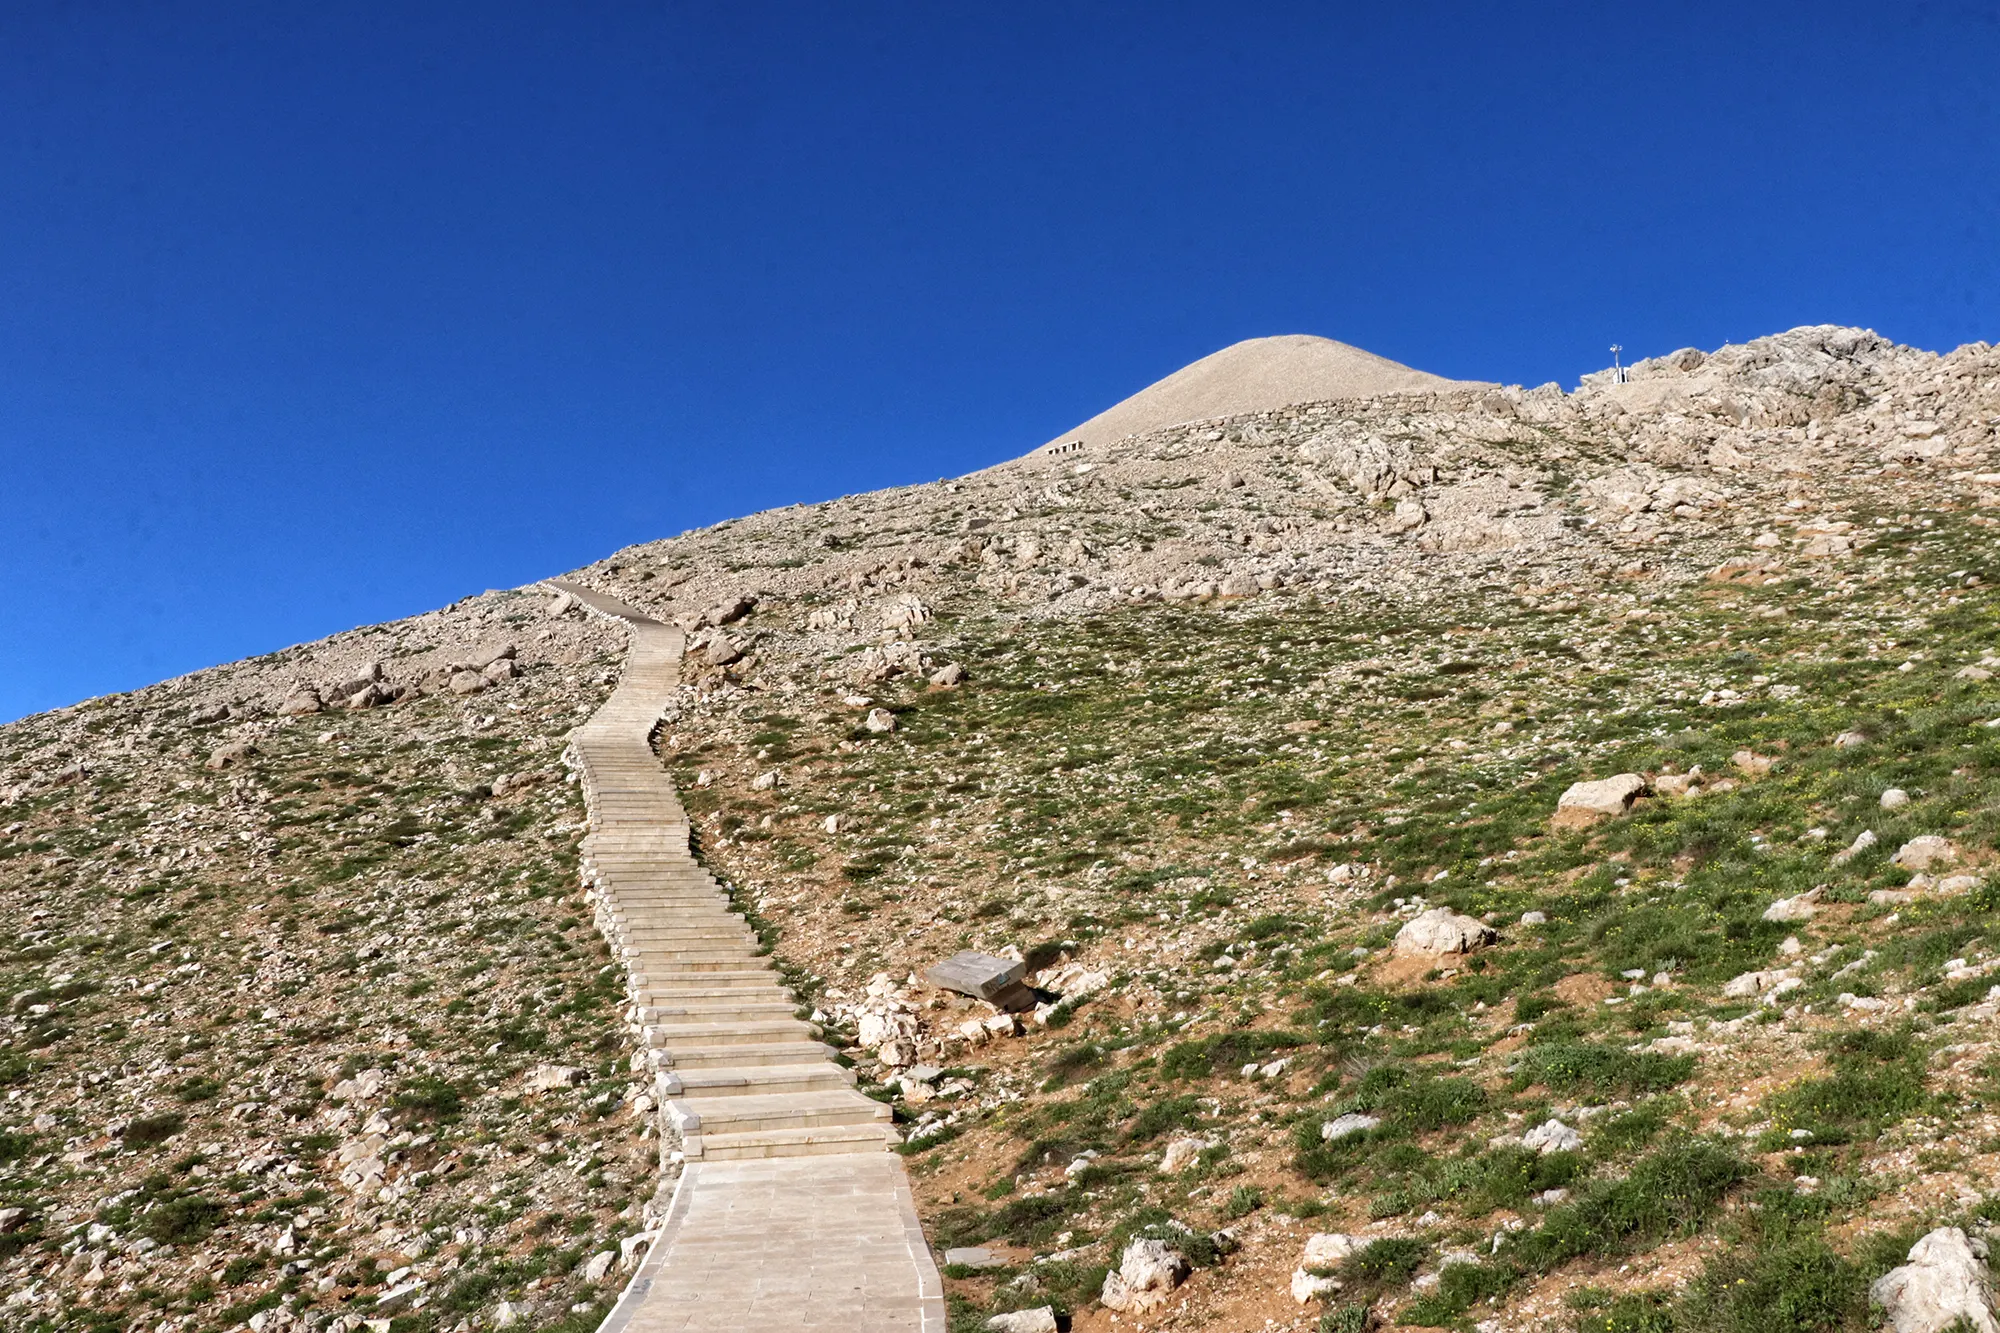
(790, 1213)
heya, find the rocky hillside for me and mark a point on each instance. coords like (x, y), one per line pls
(1485, 857)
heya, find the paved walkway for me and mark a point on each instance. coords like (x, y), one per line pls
(790, 1212)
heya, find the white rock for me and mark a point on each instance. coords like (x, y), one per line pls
(1751, 764)
(1847, 740)
(632, 1250)
(549, 1078)
(1751, 984)
(1442, 931)
(507, 1314)
(1306, 1288)
(1182, 1154)
(1861, 843)
(880, 720)
(1326, 1249)
(1944, 1282)
(1929, 852)
(1534, 918)
(1586, 803)
(1342, 1126)
(764, 781)
(1146, 1276)
(1552, 1136)
(1799, 907)
(600, 1265)
(1895, 798)
(1041, 1319)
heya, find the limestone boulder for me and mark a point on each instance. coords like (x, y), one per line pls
(1346, 1126)
(1798, 907)
(1929, 852)
(1588, 803)
(1182, 1154)
(1943, 1283)
(231, 755)
(1552, 1136)
(1147, 1273)
(1442, 931)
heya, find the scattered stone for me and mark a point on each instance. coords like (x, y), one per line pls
(1307, 1288)
(1799, 907)
(1751, 764)
(1751, 984)
(1146, 1276)
(1860, 844)
(1679, 785)
(230, 755)
(1895, 798)
(600, 1265)
(549, 1078)
(1929, 852)
(1552, 1136)
(721, 651)
(1848, 740)
(948, 675)
(1328, 1249)
(1041, 1319)
(1182, 1154)
(466, 682)
(1346, 1126)
(1588, 803)
(765, 781)
(1534, 918)
(300, 703)
(1944, 1282)
(730, 611)
(1442, 931)
(880, 720)
(973, 1256)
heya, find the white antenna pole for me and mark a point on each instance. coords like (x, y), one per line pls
(1617, 371)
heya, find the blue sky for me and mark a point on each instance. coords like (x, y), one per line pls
(314, 317)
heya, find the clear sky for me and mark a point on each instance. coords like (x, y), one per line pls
(315, 316)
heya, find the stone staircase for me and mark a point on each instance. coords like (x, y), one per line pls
(789, 1212)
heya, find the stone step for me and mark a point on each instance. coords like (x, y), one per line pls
(825, 1139)
(722, 1010)
(665, 983)
(733, 1057)
(785, 1110)
(653, 961)
(701, 995)
(744, 1080)
(744, 1033)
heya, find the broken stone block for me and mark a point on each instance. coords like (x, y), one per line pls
(980, 975)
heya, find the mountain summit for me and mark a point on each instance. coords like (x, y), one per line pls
(1256, 375)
